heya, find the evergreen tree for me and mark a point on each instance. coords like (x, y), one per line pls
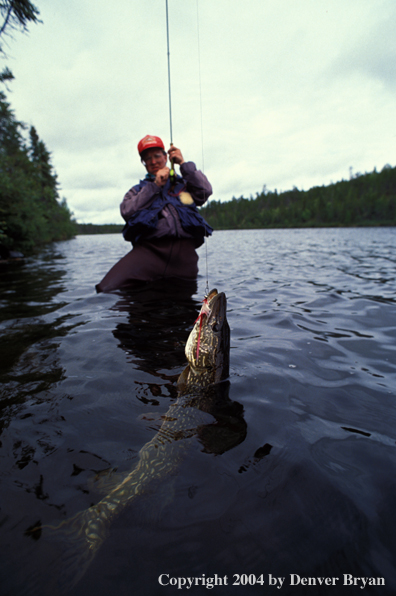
(365, 199)
(16, 14)
(30, 211)
(40, 158)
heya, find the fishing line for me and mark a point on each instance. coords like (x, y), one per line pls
(172, 171)
(200, 88)
(206, 238)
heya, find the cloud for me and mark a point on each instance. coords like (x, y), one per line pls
(372, 53)
(293, 93)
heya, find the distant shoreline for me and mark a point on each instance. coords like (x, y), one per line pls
(85, 229)
(366, 200)
(89, 229)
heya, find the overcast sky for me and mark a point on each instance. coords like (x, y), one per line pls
(294, 92)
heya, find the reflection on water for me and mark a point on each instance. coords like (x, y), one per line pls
(28, 342)
(159, 319)
(294, 472)
(203, 410)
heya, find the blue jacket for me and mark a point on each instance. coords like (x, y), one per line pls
(144, 221)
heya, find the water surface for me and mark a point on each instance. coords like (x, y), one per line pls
(300, 477)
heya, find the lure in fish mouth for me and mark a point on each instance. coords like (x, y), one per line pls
(208, 352)
(208, 345)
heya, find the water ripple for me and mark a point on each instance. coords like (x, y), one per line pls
(86, 379)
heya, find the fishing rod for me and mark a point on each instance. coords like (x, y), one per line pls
(172, 173)
(206, 237)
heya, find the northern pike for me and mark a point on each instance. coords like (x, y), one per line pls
(207, 351)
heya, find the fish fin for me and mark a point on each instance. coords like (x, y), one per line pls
(151, 508)
(105, 481)
(70, 547)
(183, 378)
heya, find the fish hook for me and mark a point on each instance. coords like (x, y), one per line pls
(205, 311)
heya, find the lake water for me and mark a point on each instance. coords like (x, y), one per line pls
(297, 476)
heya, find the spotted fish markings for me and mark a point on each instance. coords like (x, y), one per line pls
(207, 351)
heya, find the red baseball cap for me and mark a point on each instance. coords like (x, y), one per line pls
(148, 142)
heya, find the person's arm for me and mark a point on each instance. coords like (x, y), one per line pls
(138, 197)
(197, 183)
(142, 195)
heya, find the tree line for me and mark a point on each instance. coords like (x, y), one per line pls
(31, 211)
(89, 228)
(32, 214)
(365, 199)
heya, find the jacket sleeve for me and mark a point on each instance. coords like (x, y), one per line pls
(138, 197)
(197, 183)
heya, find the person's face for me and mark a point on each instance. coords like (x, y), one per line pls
(154, 159)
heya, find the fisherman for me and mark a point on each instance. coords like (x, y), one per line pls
(162, 220)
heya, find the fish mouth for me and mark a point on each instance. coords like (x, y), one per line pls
(211, 294)
(208, 344)
(217, 304)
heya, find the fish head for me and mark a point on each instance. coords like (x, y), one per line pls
(208, 346)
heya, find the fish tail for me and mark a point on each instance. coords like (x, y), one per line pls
(73, 544)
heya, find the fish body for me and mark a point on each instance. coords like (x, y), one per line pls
(207, 351)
